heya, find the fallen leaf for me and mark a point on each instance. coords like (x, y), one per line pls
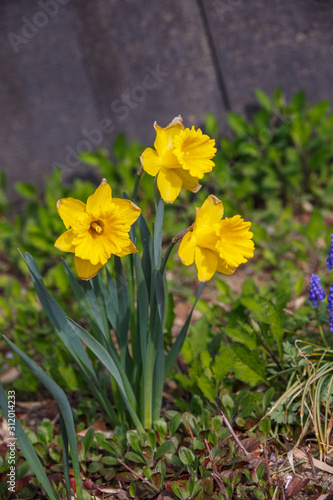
(294, 486)
(99, 426)
(301, 455)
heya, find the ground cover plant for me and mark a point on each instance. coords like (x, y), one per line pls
(253, 384)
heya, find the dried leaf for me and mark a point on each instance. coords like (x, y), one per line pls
(294, 486)
(291, 460)
(251, 444)
(301, 455)
(99, 426)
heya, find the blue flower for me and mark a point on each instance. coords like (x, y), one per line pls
(316, 291)
(330, 322)
(330, 256)
(330, 299)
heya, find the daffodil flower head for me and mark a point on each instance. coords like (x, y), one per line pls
(96, 230)
(215, 244)
(181, 157)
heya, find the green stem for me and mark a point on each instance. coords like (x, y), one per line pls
(320, 328)
(166, 257)
(136, 184)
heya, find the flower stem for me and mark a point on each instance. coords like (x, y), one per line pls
(320, 328)
(175, 240)
(136, 184)
(166, 257)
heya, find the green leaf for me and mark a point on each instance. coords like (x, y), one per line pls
(247, 365)
(88, 440)
(123, 308)
(316, 226)
(207, 387)
(175, 423)
(158, 381)
(135, 441)
(222, 364)
(177, 345)
(275, 320)
(211, 125)
(161, 450)
(64, 408)
(263, 99)
(186, 456)
(158, 227)
(142, 308)
(244, 337)
(112, 364)
(27, 190)
(27, 449)
(237, 123)
(58, 319)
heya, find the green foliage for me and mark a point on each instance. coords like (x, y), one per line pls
(174, 458)
(284, 152)
(277, 171)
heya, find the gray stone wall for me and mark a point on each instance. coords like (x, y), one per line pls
(74, 73)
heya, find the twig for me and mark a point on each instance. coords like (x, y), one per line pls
(225, 420)
(189, 427)
(138, 475)
(146, 455)
(281, 486)
(268, 472)
(309, 454)
(215, 473)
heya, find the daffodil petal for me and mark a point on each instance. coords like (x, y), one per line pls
(70, 210)
(65, 242)
(189, 182)
(222, 267)
(206, 262)
(194, 151)
(128, 210)
(235, 243)
(210, 212)
(130, 248)
(169, 185)
(187, 249)
(99, 203)
(164, 136)
(85, 269)
(150, 161)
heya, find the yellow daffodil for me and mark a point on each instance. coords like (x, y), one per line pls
(215, 244)
(181, 157)
(96, 230)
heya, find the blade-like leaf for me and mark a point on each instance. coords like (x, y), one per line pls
(178, 344)
(57, 317)
(123, 308)
(27, 449)
(112, 305)
(158, 381)
(64, 408)
(158, 228)
(83, 302)
(112, 364)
